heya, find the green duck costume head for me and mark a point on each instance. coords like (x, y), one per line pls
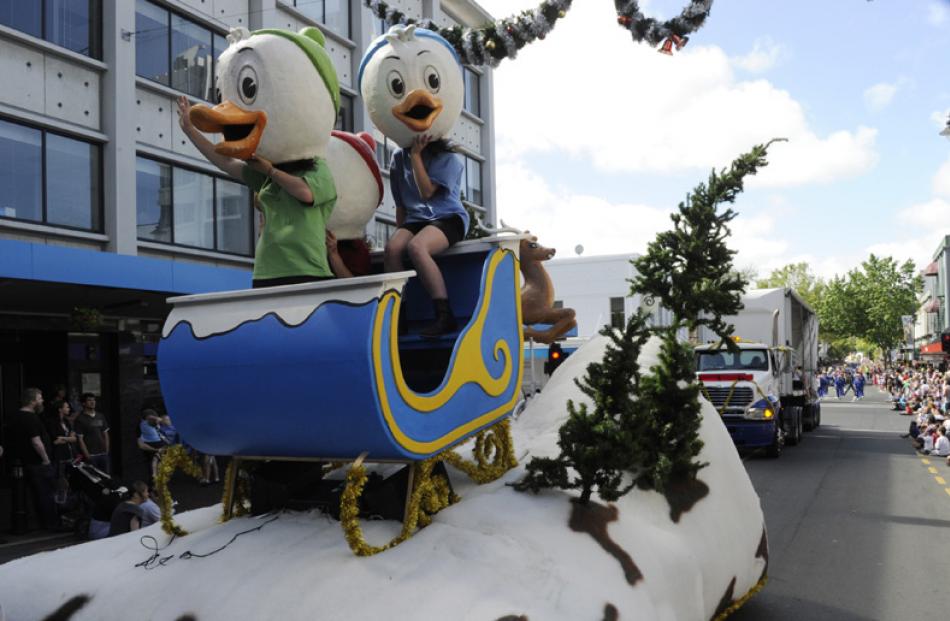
(278, 93)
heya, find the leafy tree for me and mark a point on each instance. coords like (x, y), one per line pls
(645, 430)
(868, 303)
(799, 277)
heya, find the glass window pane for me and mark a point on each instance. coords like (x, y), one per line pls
(344, 120)
(311, 8)
(21, 172)
(153, 200)
(69, 23)
(194, 209)
(220, 44)
(23, 16)
(233, 217)
(472, 92)
(473, 181)
(151, 42)
(191, 57)
(337, 16)
(72, 182)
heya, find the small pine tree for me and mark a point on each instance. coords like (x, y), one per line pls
(596, 444)
(645, 430)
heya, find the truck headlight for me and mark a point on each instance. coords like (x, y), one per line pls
(754, 413)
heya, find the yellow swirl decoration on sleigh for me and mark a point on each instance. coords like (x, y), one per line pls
(492, 338)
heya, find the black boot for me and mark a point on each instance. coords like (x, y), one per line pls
(444, 320)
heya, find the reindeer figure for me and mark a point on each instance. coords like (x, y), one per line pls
(537, 293)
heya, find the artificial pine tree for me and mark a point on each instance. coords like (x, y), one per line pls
(645, 430)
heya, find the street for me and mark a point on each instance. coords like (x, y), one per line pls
(856, 521)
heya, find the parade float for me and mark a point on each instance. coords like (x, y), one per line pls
(323, 373)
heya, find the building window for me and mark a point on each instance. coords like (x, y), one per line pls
(49, 178)
(473, 180)
(617, 317)
(383, 231)
(472, 101)
(335, 14)
(72, 24)
(188, 208)
(344, 120)
(384, 152)
(175, 51)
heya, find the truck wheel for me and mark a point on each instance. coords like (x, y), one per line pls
(774, 450)
(810, 416)
(817, 407)
(795, 424)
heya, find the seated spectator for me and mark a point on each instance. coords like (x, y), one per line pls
(942, 445)
(150, 440)
(168, 431)
(128, 515)
(151, 512)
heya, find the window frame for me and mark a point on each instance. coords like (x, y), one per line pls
(252, 212)
(213, 33)
(466, 71)
(614, 313)
(97, 209)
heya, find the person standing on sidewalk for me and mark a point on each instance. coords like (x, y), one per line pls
(31, 447)
(92, 429)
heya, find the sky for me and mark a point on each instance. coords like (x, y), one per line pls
(599, 138)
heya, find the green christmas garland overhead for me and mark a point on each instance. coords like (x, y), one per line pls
(670, 33)
(491, 43)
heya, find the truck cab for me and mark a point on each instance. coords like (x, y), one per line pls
(745, 386)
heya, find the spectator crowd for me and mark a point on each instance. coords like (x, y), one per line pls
(923, 394)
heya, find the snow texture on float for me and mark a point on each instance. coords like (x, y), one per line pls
(497, 552)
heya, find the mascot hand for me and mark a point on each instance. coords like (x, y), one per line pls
(184, 120)
(260, 164)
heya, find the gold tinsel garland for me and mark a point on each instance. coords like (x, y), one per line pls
(494, 454)
(174, 457)
(739, 603)
(429, 496)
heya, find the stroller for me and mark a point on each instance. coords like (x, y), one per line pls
(97, 496)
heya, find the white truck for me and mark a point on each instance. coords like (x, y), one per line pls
(765, 391)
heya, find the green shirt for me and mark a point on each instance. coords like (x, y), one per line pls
(293, 242)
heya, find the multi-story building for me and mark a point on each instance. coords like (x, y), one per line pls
(106, 209)
(932, 318)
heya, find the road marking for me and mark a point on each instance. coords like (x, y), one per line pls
(947, 489)
(932, 470)
(926, 461)
(940, 480)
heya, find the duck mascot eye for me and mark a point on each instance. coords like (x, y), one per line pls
(411, 82)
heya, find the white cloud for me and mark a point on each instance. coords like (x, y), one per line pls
(764, 55)
(941, 182)
(937, 13)
(940, 118)
(880, 95)
(588, 91)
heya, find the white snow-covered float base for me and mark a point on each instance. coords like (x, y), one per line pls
(498, 553)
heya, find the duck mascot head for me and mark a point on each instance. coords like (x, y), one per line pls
(278, 93)
(279, 98)
(411, 82)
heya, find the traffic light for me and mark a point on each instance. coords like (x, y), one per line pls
(945, 341)
(555, 357)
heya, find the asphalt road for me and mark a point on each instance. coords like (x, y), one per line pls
(858, 523)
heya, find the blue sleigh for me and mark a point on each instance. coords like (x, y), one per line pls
(319, 371)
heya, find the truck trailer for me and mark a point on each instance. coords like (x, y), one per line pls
(764, 389)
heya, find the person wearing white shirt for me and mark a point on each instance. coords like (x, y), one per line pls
(942, 447)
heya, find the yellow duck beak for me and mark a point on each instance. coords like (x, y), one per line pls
(242, 129)
(419, 110)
